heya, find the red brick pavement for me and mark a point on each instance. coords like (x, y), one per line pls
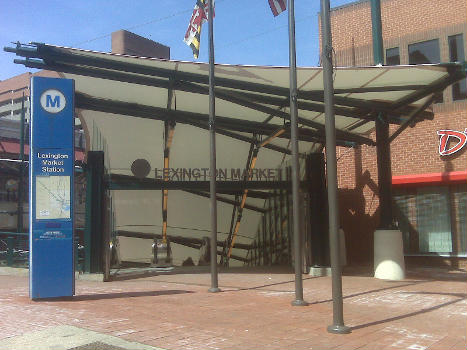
(252, 312)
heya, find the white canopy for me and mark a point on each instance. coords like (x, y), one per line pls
(125, 103)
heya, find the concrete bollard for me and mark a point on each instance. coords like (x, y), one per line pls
(389, 255)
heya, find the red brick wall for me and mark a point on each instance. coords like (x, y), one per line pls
(128, 43)
(415, 151)
(14, 87)
(403, 22)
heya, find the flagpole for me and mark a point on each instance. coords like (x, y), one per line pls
(295, 165)
(212, 133)
(331, 171)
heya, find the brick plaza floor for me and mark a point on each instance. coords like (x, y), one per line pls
(253, 311)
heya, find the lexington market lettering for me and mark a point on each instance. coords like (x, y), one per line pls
(451, 141)
(203, 174)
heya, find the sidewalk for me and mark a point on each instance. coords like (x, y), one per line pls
(253, 312)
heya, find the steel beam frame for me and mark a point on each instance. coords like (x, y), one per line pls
(227, 200)
(123, 182)
(412, 117)
(157, 113)
(72, 58)
(54, 56)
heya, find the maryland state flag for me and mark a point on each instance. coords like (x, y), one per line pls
(277, 6)
(193, 33)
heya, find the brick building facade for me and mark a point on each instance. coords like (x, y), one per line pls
(430, 190)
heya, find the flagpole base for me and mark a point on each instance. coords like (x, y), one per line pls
(299, 302)
(214, 290)
(338, 329)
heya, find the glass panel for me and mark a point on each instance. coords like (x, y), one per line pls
(393, 57)
(404, 209)
(433, 220)
(424, 52)
(459, 90)
(456, 54)
(460, 200)
(456, 48)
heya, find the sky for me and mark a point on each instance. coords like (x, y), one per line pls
(245, 31)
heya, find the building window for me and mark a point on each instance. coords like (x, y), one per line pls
(456, 54)
(393, 57)
(460, 222)
(424, 52)
(432, 219)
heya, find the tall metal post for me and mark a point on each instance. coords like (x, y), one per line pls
(212, 133)
(383, 148)
(383, 156)
(88, 219)
(95, 241)
(20, 225)
(295, 165)
(318, 205)
(377, 32)
(331, 166)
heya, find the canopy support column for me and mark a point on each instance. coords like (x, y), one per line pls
(383, 148)
(388, 246)
(383, 154)
(94, 243)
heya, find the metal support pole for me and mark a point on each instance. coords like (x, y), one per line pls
(383, 148)
(318, 207)
(10, 251)
(331, 166)
(383, 156)
(289, 216)
(270, 229)
(88, 220)
(377, 32)
(19, 225)
(212, 133)
(264, 246)
(96, 244)
(281, 221)
(295, 165)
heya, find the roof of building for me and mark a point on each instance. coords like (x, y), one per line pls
(353, 3)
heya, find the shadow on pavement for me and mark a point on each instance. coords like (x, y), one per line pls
(103, 296)
(460, 296)
(371, 291)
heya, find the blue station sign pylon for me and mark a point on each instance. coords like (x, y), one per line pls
(51, 179)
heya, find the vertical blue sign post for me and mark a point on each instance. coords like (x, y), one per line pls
(51, 170)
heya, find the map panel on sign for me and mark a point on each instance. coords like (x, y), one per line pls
(53, 197)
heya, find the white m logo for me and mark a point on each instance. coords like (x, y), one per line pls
(53, 101)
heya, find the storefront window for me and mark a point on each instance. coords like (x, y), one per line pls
(404, 212)
(460, 202)
(432, 219)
